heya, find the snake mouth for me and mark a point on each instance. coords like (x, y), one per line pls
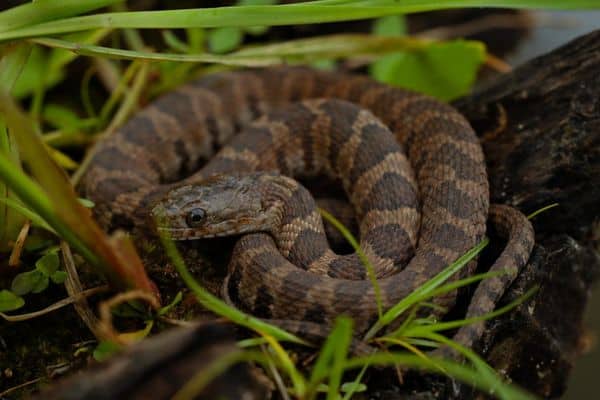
(221, 229)
(184, 233)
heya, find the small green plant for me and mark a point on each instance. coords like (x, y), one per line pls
(10, 301)
(38, 279)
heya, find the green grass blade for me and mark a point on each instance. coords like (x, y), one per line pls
(484, 373)
(37, 200)
(218, 306)
(283, 14)
(99, 51)
(541, 210)
(251, 342)
(341, 343)
(321, 368)
(12, 61)
(468, 375)
(55, 200)
(293, 51)
(45, 10)
(416, 331)
(361, 255)
(425, 289)
(356, 383)
(334, 46)
(36, 219)
(287, 365)
(440, 291)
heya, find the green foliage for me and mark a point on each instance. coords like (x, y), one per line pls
(425, 291)
(265, 15)
(165, 309)
(226, 39)
(443, 70)
(105, 350)
(33, 281)
(11, 220)
(35, 69)
(392, 25)
(45, 10)
(37, 280)
(35, 74)
(10, 301)
(62, 117)
(331, 359)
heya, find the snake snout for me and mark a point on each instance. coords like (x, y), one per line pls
(164, 218)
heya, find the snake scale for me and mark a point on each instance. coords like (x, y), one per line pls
(417, 213)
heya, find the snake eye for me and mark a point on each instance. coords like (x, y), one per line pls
(195, 217)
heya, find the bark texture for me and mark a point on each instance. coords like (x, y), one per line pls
(540, 129)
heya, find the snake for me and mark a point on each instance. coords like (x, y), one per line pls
(411, 166)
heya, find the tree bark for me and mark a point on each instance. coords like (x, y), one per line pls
(540, 129)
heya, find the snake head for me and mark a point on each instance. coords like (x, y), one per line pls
(222, 205)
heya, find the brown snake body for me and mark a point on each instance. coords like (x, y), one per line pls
(132, 169)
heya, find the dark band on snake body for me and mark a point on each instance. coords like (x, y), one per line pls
(442, 148)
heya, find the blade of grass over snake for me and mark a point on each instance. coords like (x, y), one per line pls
(424, 289)
(408, 346)
(340, 351)
(218, 306)
(270, 15)
(331, 357)
(361, 255)
(287, 365)
(439, 291)
(320, 369)
(441, 326)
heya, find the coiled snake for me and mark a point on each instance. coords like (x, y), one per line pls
(413, 222)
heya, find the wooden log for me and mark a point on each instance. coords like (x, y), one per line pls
(161, 366)
(540, 129)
